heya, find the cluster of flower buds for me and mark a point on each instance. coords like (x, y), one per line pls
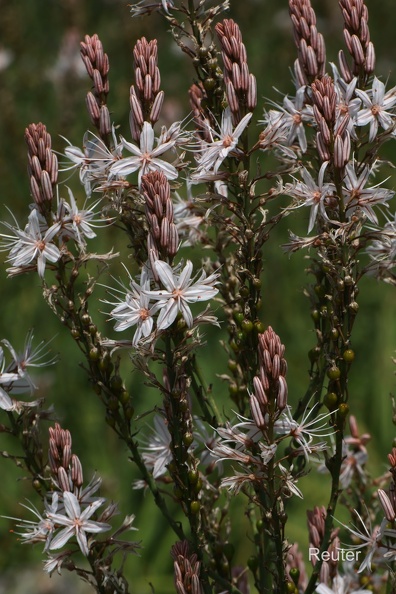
(310, 44)
(316, 527)
(295, 567)
(187, 568)
(388, 502)
(332, 138)
(64, 465)
(270, 387)
(163, 238)
(97, 65)
(241, 86)
(145, 98)
(42, 166)
(357, 39)
(392, 461)
(388, 499)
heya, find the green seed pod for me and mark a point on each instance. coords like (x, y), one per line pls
(232, 365)
(333, 372)
(240, 336)
(233, 389)
(209, 84)
(124, 397)
(295, 574)
(343, 410)
(188, 438)
(193, 476)
(252, 563)
(195, 507)
(198, 486)
(315, 315)
(129, 411)
(314, 354)
(234, 346)
(104, 362)
(86, 319)
(257, 283)
(94, 354)
(331, 400)
(116, 383)
(213, 63)
(247, 326)
(181, 324)
(238, 317)
(348, 355)
(37, 485)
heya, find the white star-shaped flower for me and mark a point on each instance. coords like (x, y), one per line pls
(134, 308)
(78, 223)
(145, 157)
(32, 244)
(76, 523)
(376, 105)
(312, 194)
(214, 153)
(180, 290)
(359, 197)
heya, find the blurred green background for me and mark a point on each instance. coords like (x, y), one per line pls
(42, 79)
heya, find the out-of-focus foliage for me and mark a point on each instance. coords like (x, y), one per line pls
(43, 79)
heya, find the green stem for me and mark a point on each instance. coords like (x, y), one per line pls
(203, 393)
(334, 466)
